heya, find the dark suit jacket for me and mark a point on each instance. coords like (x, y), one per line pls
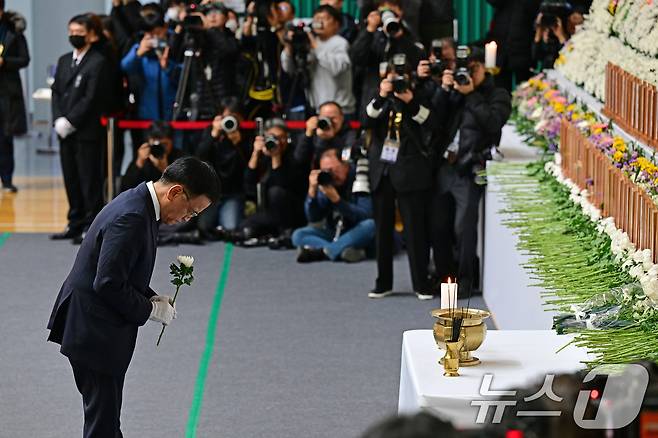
(78, 93)
(106, 296)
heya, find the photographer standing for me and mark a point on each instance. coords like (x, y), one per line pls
(327, 130)
(14, 56)
(474, 113)
(224, 146)
(400, 169)
(327, 60)
(553, 28)
(149, 61)
(282, 183)
(339, 212)
(383, 36)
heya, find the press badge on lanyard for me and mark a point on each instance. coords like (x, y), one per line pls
(391, 146)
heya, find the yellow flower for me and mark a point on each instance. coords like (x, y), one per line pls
(618, 156)
(571, 107)
(575, 116)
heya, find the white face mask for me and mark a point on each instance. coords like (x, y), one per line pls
(172, 14)
(232, 25)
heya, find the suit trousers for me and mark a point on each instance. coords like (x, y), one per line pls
(413, 209)
(101, 399)
(6, 158)
(82, 167)
(456, 230)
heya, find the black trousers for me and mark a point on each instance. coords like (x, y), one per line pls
(6, 158)
(413, 209)
(101, 399)
(455, 214)
(284, 211)
(82, 166)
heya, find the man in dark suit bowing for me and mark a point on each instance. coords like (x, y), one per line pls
(77, 106)
(107, 296)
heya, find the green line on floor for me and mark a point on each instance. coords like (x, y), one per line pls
(3, 238)
(197, 400)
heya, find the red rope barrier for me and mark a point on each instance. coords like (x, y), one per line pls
(193, 126)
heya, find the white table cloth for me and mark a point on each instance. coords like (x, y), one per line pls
(515, 358)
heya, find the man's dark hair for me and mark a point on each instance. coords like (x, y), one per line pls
(380, 3)
(152, 17)
(159, 129)
(197, 176)
(477, 54)
(421, 425)
(332, 102)
(330, 10)
(232, 104)
(83, 20)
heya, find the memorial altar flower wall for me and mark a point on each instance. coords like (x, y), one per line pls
(581, 259)
(627, 38)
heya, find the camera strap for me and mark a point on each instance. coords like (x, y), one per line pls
(391, 146)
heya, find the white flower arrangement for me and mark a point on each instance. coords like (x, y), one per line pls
(637, 262)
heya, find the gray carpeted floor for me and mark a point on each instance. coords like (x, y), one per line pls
(300, 350)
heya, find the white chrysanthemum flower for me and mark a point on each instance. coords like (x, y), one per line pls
(186, 260)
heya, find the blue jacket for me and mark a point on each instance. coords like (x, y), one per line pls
(352, 207)
(106, 296)
(155, 96)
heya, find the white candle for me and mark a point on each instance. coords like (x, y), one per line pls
(490, 54)
(448, 295)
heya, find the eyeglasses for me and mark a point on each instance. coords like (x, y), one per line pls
(192, 213)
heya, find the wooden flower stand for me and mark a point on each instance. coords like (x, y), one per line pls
(632, 104)
(610, 189)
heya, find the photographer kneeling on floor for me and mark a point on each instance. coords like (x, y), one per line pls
(339, 211)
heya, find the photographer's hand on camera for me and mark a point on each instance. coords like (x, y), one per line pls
(406, 96)
(423, 69)
(142, 155)
(385, 87)
(216, 130)
(448, 80)
(331, 193)
(558, 31)
(311, 126)
(313, 183)
(146, 44)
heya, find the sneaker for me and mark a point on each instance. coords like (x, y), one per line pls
(379, 293)
(308, 255)
(353, 255)
(9, 188)
(424, 297)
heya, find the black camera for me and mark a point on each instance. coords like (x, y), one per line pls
(438, 67)
(324, 123)
(390, 22)
(157, 149)
(550, 11)
(399, 67)
(271, 142)
(299, 38)
(325, 178)
(462, 72)
(229, 124)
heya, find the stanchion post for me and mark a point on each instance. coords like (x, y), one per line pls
(110, 158)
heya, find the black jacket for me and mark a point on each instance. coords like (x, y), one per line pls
(512, 28)
(105, 297)
(289, 176)
(479, 117)
(134, 176)
(308, 151)
(78, 93)
(413, 169)
(228, 160)
(371, 49)
(15, 56)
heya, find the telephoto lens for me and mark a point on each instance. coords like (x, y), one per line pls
(325, 178)
(390, 22)
(324, 123)
(271, 142)
(229, 124)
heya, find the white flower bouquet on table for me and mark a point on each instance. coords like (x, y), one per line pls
(182, 273)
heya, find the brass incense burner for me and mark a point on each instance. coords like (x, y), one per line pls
(473, 331)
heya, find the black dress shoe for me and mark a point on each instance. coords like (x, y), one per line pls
(308, 255)
(9, 188)
(77, 240)
(189, 238)
(68, 233)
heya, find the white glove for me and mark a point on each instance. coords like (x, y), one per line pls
(165, 299)
(162, 312)
(63, 127)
